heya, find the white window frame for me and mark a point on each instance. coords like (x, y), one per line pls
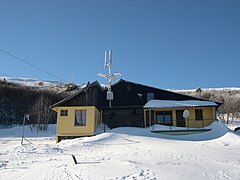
(80, 118)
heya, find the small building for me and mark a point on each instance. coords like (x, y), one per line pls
(79, 114)
(77, 117)
(76, 121)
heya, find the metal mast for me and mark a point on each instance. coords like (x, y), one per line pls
(110, 76)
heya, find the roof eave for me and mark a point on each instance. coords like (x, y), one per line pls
(179, 107)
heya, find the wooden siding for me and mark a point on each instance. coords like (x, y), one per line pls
(126, 94)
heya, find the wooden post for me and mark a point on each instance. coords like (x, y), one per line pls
(23, 128)
(74, 159)
(150, 118)
(24, 120)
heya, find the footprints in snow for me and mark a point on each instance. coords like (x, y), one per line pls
(140, 175)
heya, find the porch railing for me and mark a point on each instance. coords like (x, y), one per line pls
(189, 124)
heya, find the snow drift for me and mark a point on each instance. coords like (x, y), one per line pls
(122, 153)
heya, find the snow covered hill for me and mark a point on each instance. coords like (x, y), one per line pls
(30, 81)
(209, 89)
(55, 86)
(122, 153)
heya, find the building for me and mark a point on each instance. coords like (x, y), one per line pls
(80, 113)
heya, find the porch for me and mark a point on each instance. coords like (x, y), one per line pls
(170, 113)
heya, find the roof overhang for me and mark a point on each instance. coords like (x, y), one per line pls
(178, 104)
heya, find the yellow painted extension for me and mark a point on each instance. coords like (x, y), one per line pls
(66, 122)
(208, 114)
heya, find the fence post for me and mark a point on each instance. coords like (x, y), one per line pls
(203, 123)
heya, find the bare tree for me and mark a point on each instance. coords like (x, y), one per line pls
(42, 113)
(199, 91)
(230, 109)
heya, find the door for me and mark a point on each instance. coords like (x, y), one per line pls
(148, 123)
(180, 119)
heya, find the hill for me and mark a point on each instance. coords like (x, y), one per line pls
(19, 96)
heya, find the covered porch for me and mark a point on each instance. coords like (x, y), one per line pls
(170, 113)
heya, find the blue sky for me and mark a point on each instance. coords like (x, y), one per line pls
(177, 44)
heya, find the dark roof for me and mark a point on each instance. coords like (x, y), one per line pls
(95, 83)
(197, 98)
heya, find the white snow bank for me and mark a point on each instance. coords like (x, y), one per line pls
(217, 130)
(17, 132)
(233, 125)
(122, 153)
(101, 128)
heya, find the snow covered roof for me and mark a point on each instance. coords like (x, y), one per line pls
(172, 104)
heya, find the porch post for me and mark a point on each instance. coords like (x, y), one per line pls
(150, 119)
(203, 123)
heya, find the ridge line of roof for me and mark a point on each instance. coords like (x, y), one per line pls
(203, 99)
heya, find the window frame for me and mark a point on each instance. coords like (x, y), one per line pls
(83, 118)
(63, 112)
(163, 114)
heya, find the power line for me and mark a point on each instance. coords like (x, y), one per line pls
(30, 64)
(5, 75)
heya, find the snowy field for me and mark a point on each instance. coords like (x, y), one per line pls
(122, 153)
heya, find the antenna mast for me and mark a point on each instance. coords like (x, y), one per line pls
(110, 76)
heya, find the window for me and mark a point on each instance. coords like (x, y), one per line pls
(164, 117)
(64, 113)
(198, 114)
(80, 118)
(150, 96)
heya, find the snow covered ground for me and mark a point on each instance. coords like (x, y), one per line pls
(122, 153)
(234, 124)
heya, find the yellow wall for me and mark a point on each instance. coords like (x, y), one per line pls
(209, 115)
(98, 118)
(65, 124)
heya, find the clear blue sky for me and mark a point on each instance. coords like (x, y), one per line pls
(177, 44)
